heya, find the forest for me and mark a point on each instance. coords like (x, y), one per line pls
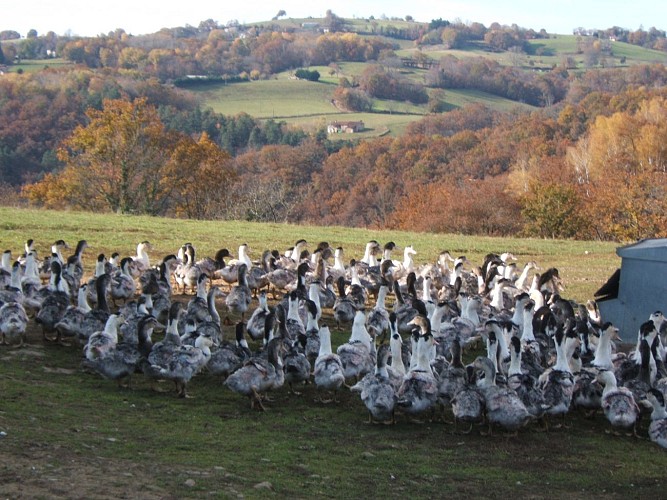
(119, 131)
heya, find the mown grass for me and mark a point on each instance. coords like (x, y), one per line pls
(73, 434)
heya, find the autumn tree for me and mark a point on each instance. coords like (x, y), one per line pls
(471, 207)
(621, 167)
(205, 179)
(119, 162)
(552, 211)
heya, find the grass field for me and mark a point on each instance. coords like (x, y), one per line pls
(34, 65)
(308, 104)
(71, 434)
(584, 265)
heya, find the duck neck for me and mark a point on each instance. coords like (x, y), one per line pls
(381, 367)
(204, 346)
(263, 302)
(171, 335)
(489, 379)
(610, 383)
(339, 265)
(143, 255)
(16, 278)
(659, 412)
(314, 294)
(211, 306)
(311, 324)
(125, 269)
(55, 250)
(561, 357)
(325, 342)
(436, 317)
(503, 349)
(517, 315)
(243, 257)
(515, 363)
(382, 296)
(354, 276)
(359, 331)
(201, 289)
(408, 262)
(603, 352)
(456, 273)
(470, 312)
(148, 302)
(82, 300)
(31, 270)
(111, 327)
(528, 334)
(497, 299)
(423, 356)
(521, 280)
(396, 354)
(293, 310)
(368, 256)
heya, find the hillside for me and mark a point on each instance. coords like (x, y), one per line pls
(456, 126)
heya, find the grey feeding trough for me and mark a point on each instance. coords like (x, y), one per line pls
(637, 289)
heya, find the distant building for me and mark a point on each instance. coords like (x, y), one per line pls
(345, 127)
(310, 25)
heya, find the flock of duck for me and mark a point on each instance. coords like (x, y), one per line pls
(545, 356)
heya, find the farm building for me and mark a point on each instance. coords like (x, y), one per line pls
(637, 289)
(345, 127)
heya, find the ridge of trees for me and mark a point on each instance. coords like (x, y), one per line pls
(472, 171)
(589, 164)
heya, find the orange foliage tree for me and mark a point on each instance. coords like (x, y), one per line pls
(119, 162)
(621, 167)
(469, 207)
(206, 179)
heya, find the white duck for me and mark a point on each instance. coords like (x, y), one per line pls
(419, 391)
(141, 260)
(328, 370)
(357, 354)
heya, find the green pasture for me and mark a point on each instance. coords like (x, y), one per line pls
(67, 433)
(584, 265)
(308, 104)
(35, 65)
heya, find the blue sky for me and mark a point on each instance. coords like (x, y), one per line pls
(89, 18)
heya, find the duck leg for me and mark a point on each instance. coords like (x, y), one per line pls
(291, 389)
(256, 398)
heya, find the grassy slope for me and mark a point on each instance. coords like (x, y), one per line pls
(584, 265)
(63, 423)
(35, 65)
(309, 104)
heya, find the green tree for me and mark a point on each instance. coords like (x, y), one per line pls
(552, 211)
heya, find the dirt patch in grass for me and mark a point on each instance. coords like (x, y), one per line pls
(49, 472)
